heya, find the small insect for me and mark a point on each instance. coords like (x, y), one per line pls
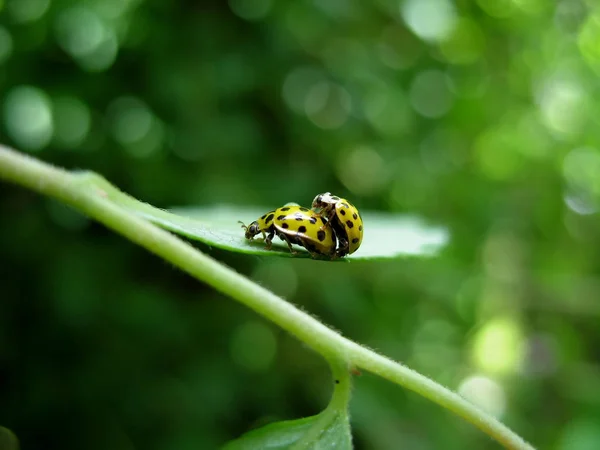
(295, 225)
(344, 219)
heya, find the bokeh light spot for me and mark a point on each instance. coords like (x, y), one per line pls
(250, 9)
(362, 171)
(563, 106)
(568, 16)
(114, 9)
(398, 48)
(338, 9)
(433, 343)
(485, 393)
(306, 24)
(589, 41)
(253, 346)
(327, 105)
(132, 119)
(471, 81)
(386, 108)
(430, 95)
(431, 20)
(581, 167)
(441, 150)
(496, 154)
(80, 31)
(347, 58)
(296, 86)
(580, 204)
(532, 6)
(134, 126)
(580, 434)
(72, 120)
(531, 135)
(6, 44)
(502, 255)
(498, 346)
(104, 55)
(28, 117)
(497, 8)
(542, 358)
(27, 10)
(465, 44)
(85, 36)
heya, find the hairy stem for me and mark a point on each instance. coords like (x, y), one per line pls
(95, 197)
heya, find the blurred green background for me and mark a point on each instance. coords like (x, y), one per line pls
(480, 116)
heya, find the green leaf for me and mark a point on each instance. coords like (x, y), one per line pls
(386, 235)
(8, 441)
(327, 430)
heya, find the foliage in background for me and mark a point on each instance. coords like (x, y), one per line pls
(480, 116)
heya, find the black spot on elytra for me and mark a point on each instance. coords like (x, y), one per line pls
(321, 235)
(345, 205)
(342, 212)
(355, 216)
(303, 209)
(323, 220)
(301, 229)
(360, 228)
(281, 217)
(285, 209)
(313, 220)
(349, 223)
(269, 218)
(299, 217)
(263, 217)
(355, 241)
(284, 225)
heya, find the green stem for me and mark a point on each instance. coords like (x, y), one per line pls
(337, 410)
(342, 383)
(95, 197)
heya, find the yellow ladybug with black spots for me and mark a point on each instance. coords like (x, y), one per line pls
(295, 225)
(345, 220)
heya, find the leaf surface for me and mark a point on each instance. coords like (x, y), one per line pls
(8, 441)
(385, 236)
(327, 430)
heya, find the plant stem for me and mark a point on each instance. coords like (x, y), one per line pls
(337, 409)
(342, 385)
(95, 197)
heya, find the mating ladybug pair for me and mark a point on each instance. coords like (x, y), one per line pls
(333, 227)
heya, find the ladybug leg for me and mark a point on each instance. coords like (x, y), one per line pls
(283, 237)
(268, 239)
(342, 248)
(333, 254)
(331, 215)
(313, 253)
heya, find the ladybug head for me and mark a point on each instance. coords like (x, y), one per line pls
(251, 230)
(323, 200)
